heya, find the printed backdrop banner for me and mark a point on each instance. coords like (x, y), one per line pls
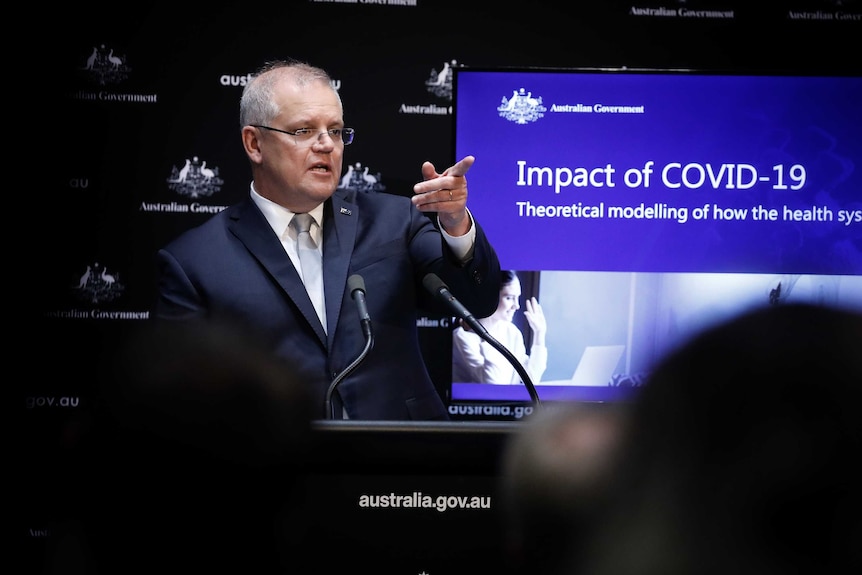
(138, 125)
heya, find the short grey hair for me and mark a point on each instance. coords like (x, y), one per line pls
(257, 105)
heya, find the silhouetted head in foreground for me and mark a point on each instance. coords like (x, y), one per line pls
(741, 454)
(192, 454)
(554, 480)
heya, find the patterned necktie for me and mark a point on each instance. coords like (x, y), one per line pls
(310, 262)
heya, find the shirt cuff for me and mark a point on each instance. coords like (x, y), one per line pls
(462, 246)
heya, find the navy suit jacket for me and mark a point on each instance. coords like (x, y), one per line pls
(233, 266)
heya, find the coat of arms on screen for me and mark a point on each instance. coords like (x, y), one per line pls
(106, 66)
(97, 284)
(195, 179)
(440, 82)
(522, 107)
(357, 178)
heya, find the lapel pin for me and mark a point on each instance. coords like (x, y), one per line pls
(346, 211)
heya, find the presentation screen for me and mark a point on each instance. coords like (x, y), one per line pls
(640, 206)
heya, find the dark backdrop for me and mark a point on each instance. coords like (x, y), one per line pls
(125, 94)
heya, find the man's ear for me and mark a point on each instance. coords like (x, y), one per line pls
(251, 144)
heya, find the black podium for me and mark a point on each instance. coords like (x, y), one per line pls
(405, 498)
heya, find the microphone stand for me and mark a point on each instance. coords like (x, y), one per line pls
(356, 286)
(525, 377)
(436, 286)
(369, 342)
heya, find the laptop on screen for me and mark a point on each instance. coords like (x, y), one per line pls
(597, 365)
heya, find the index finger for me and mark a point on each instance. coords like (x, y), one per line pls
(461, 167)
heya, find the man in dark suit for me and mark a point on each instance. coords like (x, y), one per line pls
(243, 263)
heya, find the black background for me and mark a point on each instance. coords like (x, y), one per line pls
(86, 167)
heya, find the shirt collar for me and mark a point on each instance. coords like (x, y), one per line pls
(278, 216)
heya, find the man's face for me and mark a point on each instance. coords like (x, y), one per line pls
(297, 173)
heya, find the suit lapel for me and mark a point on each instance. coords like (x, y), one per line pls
(341, 221)
(251, 228)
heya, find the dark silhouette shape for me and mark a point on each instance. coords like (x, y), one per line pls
(189, 463)
(554, 479)
(741, 454)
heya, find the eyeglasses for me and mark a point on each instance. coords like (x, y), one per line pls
(307, 136)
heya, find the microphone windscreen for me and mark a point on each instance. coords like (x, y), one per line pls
(433, 283)
(355, 282)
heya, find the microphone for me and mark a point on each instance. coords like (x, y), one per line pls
(356, 287)
(436, 286)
